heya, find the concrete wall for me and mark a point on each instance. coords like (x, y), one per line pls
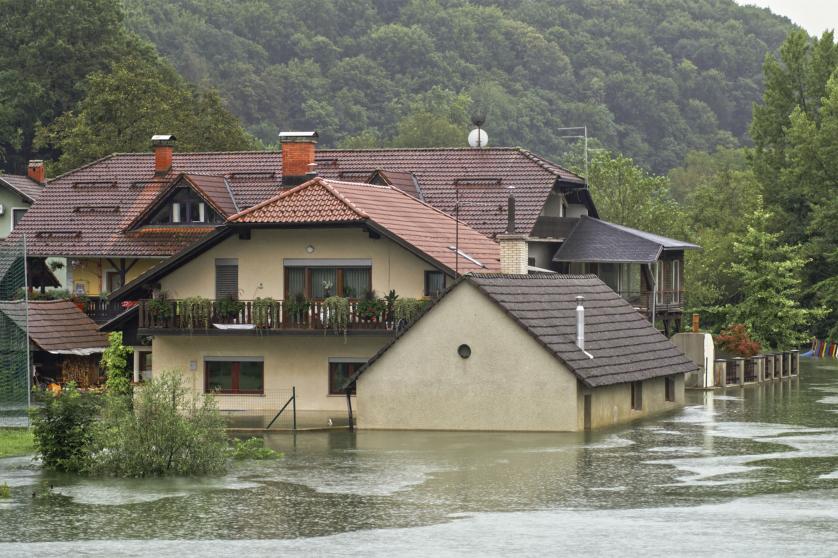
(90, 272)
(290, 360)
(543, 253)
(10, 200)
(611, 405)
(261, 262)
(700, 349)
(576, 210)
(508, 383)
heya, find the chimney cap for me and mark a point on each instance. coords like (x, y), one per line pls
(162, 139)
(298, 136)
(36, 162)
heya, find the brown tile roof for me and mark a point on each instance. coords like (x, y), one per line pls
(84, 212)
(404, 181)
(416, 223)
(624, 345)
(57, 326)
(23, 185)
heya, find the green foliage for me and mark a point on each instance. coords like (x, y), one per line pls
(370, 307)
(115, 363)
(770, 275)
(252, 448)
(408, 309)
(166, 430)
(297, 308)
(63, 429)
(629, 195)
(649, 79)
(160, 308)
(390, 299)
(5, 493)
(15, 441)
(265, 312)
(336, 313)
(229, 308)
(195, 312)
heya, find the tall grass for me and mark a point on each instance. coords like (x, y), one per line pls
(15, 441)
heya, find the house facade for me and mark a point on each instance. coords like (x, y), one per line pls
(246, 313)
(522, 353)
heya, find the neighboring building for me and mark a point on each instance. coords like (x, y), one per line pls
(503, 352)
(645, 269)
(321, 238)
(65, 344)
(17, 194)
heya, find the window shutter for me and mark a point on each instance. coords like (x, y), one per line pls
(226, 278)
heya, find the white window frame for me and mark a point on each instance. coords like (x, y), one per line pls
(12, 216)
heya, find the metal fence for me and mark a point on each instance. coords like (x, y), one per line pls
(14, 338)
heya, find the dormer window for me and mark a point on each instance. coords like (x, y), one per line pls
(185, 207)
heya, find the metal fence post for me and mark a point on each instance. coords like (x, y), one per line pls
(294, 408)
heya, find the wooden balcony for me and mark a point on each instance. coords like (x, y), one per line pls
(101, 310)
(220, 317)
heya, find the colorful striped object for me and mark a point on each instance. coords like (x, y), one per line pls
(823, 349)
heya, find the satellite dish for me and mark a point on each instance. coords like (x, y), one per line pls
(478, 138)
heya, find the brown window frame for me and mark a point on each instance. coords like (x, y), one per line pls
(637, 396)
(353, 367)
(339, 284)
(236, 369)
(427, 289)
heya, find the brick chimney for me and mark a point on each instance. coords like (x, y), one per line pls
(36, 171)
(162, 144)
(514, 252)
(298, 150)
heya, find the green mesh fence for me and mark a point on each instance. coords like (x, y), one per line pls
(14, 342)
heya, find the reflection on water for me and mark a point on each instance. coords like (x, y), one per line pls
(764, 457)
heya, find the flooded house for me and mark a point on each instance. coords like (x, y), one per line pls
(536, 352)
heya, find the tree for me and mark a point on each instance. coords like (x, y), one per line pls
(770, 274)
(629, 195)
(124, 107)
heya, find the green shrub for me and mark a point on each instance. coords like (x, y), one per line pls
(336, 313)
(252, 448)
(165, 430)
(195, 312)
(408, 309)
(265, 312)
(229, 308)
(4, 491)
(63, 429)
(115, 362)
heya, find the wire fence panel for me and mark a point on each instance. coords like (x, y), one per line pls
(14, 341)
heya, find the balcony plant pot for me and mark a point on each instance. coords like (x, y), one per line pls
(234, 327)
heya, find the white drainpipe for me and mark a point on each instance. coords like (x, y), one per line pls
(580, 323)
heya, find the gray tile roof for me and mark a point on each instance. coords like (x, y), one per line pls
(23, 185)
(624, 344)
(594, 240)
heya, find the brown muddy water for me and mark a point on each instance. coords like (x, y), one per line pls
(751, 470)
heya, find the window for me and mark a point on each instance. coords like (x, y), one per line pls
(234, 375)
(113, 281)
(341, 370)
(145, 361)
(659, 273)
(676, 280)
(531, 262)
(318, 282)
(434, 283)
(17, 215)
(637, 395)
(226, 278)
(185, 207)
(197, 212)
(669, 387)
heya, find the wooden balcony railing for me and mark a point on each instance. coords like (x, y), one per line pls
(665, 301)
(250, 315)
(101, 310)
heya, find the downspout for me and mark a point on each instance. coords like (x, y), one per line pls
(580, 325)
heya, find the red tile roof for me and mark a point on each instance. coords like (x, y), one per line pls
(421, 226)
(23, 185)
(404, 181)
(57, 326)
(86, 211)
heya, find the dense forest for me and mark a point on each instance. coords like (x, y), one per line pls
(651, 79)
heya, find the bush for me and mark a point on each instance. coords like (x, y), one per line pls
(252, 448)
(408, 309)
(737, 340)
(115, 363)
(63, 429)
(165, 430)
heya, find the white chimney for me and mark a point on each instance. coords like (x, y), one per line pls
(580, 323)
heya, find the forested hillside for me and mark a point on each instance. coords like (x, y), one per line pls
(650, 79)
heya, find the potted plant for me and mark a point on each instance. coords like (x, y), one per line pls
(195, 312)
(80, 301)
(390, 300)
(265, 312)
(229, 309)
(297, 308)
(408, 309)
(336, 313)
(370, 308)
(159, 308)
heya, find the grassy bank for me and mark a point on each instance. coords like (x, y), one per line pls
(15, 441)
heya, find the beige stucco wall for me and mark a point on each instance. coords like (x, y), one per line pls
(261, 262)
(91, 272)
(611, 405)
(509, 383)
(290, 360)
(10, 200)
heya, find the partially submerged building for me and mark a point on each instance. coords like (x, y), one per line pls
(539, 352)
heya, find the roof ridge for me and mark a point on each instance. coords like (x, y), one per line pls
(318, 180)
(543, 161)
(77, 169)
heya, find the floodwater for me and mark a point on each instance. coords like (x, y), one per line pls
(742, 470)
